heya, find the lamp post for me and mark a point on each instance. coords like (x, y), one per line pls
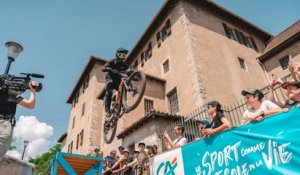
(25, 145)
(13, 50)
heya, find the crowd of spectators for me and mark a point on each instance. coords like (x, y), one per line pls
(125, 162)
(136, 162)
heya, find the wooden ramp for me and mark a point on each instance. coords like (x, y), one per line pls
(74, 164)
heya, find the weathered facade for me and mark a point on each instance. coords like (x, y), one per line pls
(280, 50)
(86, 113)
(192, 52)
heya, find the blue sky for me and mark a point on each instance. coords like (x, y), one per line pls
(59, 37)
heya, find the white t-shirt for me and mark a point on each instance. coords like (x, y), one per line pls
(265, 106)
(180, 141)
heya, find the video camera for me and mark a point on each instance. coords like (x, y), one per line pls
(8, 81)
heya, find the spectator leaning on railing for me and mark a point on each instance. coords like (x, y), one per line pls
(276, 81)
(219, 122)
(257, 110)
(294, 68)
(124, 160)
(143, 158)
(178, 142)
(121, 149)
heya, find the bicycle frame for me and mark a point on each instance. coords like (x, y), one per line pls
(119, 93)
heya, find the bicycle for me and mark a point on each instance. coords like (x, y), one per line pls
(126, 99)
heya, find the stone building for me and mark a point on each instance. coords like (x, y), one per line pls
(192, 52)
(282, 48)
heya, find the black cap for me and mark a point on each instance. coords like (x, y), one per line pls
(249, 91)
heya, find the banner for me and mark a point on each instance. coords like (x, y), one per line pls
(268, 147)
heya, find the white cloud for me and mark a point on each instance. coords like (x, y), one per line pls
(37, 146)
(14, 153)
(36, 132)
(29, 128)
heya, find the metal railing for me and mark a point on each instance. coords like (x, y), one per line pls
(232, 112)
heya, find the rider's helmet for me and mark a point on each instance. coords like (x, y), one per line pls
(121, 53)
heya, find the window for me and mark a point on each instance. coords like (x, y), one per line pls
(142, 59)
(73, 124)
(168, 27)
(86, 83)
(253, 45)
(284, 62)
(166, 66)
(70, 147)
(87, 80)
(76, 99)
(164, 33)
(242, 63)
(83, 109)
(81, 137)
(173, 101)
(239, 37)
(229, 32)
(148, 105)
(158, 39)
(148, 52)
(77, 141)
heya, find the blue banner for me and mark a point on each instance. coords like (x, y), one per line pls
(268, 147)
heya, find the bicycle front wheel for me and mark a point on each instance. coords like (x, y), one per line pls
(109, 130)
(133, 93)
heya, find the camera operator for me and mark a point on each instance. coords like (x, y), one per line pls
(8, 103)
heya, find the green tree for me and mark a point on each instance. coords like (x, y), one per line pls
(41, 162)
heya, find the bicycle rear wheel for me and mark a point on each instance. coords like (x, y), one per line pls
(132, 95)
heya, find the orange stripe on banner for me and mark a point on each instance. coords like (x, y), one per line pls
(174, 160)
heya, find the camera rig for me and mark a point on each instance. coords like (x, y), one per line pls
(21, 83)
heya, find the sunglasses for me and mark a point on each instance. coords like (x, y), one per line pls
(121, 55)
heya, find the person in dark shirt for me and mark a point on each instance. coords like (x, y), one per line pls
(122, 164)
(9, 99)
(113, 79)
(219, 121)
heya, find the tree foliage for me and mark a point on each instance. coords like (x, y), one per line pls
(41, 162)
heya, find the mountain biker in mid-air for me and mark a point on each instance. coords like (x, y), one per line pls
(113, 79)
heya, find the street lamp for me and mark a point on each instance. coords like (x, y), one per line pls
(25, 145)
(13, 50)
